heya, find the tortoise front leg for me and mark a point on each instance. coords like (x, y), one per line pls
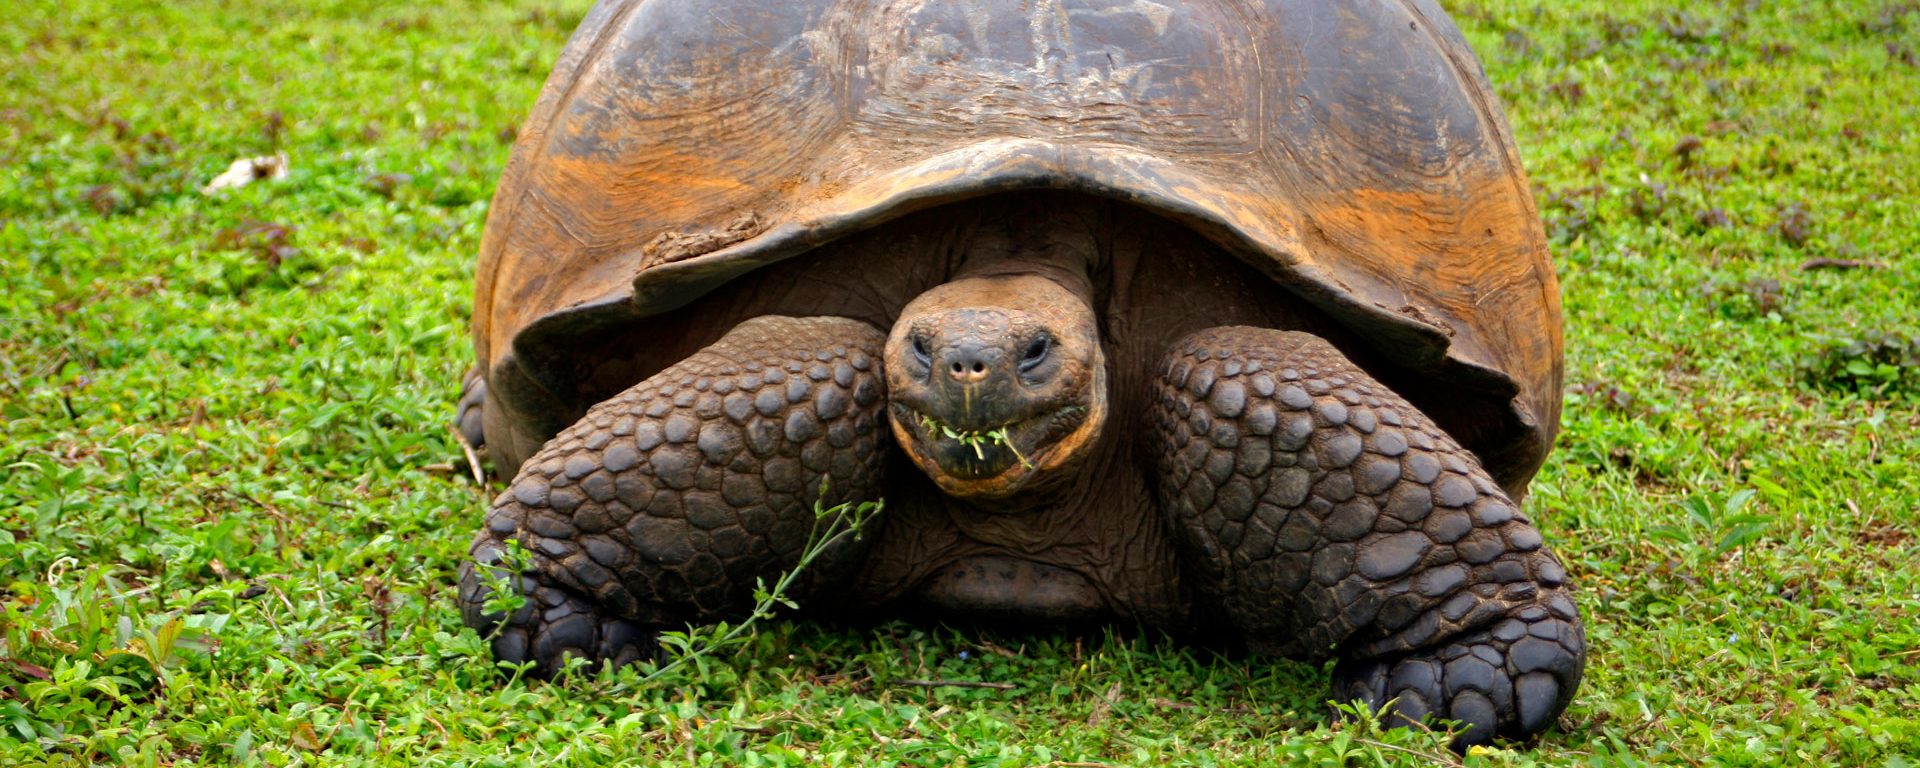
(1329, 517)
(666, 503)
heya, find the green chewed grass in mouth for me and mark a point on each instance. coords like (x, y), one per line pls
(977, 439)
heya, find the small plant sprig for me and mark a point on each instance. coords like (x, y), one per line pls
(502, 581)
(976, 439)
(831, 525)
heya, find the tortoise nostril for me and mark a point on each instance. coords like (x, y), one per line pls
(969, 360)
(968, 368)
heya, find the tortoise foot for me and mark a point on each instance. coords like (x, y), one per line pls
(1509, 681)
(551, 625)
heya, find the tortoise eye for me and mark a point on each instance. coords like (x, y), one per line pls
(920, 351)
(1036, 352)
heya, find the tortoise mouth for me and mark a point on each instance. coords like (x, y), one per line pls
(995, 460)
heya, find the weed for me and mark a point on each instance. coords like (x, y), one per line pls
(831, 527)
(1876, 363)
(1752, 299)
(1794, 224)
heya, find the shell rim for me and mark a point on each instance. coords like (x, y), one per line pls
(1001, 166)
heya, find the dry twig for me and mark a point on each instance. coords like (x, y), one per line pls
(955, 684)
(1812, 264)
(1104, 705)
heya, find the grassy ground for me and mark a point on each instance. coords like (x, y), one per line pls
(230, 511)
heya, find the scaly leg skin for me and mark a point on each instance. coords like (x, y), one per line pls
(1326, 516)
(665, 503)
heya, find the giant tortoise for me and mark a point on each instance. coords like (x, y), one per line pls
(1250, 294)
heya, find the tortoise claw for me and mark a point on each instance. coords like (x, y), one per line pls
(469, 419)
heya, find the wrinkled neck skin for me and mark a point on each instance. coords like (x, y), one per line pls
(1059, 242)
(997, 378)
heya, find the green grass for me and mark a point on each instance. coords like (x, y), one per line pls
(230, 511)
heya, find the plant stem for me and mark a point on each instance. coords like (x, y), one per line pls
(818, 541)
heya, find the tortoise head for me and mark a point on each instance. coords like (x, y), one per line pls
(998, 385)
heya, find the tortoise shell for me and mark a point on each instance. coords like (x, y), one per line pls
(1350, 151)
